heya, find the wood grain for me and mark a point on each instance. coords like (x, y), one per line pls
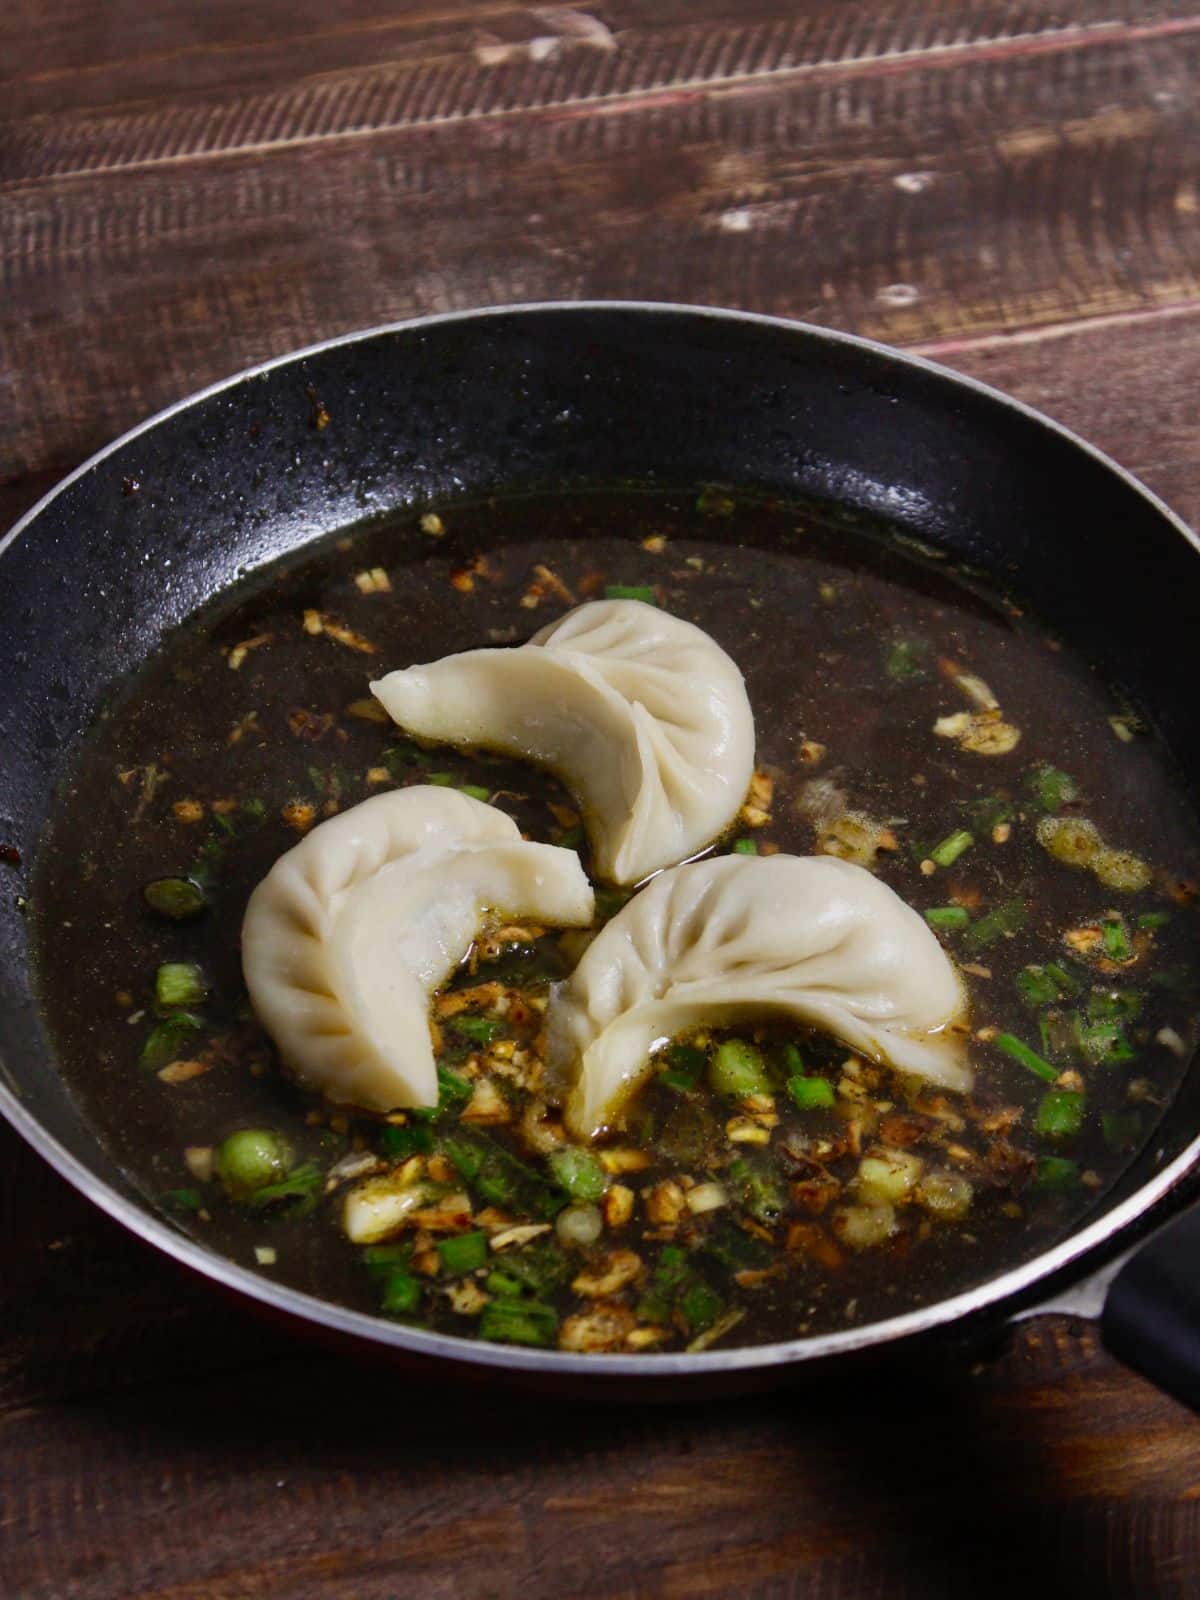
(186, 187)
(910, 190)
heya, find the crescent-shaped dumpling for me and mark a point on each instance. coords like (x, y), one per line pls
(353, 929)
(714, 942)
(641, 714)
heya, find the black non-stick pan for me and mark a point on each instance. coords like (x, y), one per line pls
(553, 396)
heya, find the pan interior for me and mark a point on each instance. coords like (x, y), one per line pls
(253, 720)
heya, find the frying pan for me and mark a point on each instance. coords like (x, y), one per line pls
(547, 397)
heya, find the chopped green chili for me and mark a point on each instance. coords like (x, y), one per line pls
(811, 1094)
(1051, 788)
(401, 1294)
(518, 1322)
(738, 1069)
(175, 898)
(630, 591)
(1059, 1114)
(1000, 922)
(179, 984)
(745, 847)
(578, 1172)
(948, 917)
(463, 1252)
(1018, 1051)
(951, 847)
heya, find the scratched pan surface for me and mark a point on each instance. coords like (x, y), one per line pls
(550, 397)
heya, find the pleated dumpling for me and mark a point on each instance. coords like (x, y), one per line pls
(732, 938)
(642, 715)
(354, 928)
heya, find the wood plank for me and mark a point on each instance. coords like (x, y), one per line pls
(298, 1478)
(920, 204)
(69, 56)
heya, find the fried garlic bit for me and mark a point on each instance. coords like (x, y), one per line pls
(983, 731)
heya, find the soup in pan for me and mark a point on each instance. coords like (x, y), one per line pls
(742, 926)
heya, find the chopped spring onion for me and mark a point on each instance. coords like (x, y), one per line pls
(482, 1030)
(951, 847)
(413, 1139)
(1110, 1004)
(1056, 1172)
(453, 1092)
(738, 1069)
(1001, 922)
(1017, 1051)
(580, 1225)
(903, 659)
(630, 591)
(463, 1252)
(165, 1041)
(499, 1178)
(297, 1193)
(182, 1200)
(1051, 788)
(685, 1063)
(507, 1321)
(475, 791)
(176, 898)
(502, 1284)
(578, 1172)
(810, 1094)
(947, 917)
(699, 1306)
(1116, 939)
(251, 1159)
(745, 847)
(443, 780)
(989, 812)
(179, 983)
(382, 1259)
(1104, 1043)
(1122, 870)
(401, 1295)
(1072, 840)
(758, 1190)
(1154, 919)
(1060, 1114)
(541, 1267)
(1041, 986)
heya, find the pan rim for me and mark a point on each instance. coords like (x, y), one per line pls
(1009, 1286)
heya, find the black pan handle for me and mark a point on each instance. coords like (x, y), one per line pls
(1151, 1315)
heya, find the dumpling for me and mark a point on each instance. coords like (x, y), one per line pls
(354, 928)
(641, 714)
(811, 938)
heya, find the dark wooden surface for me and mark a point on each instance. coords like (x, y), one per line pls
(187, 186)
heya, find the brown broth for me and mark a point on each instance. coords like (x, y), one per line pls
(812, 613)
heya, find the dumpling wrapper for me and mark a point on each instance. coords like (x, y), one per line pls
(353, 929)
(641, 715)
(716, 942)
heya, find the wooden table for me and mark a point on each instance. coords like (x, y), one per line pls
(187, 186)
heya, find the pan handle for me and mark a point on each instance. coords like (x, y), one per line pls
(1151, 1314)
(1146, 1304)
